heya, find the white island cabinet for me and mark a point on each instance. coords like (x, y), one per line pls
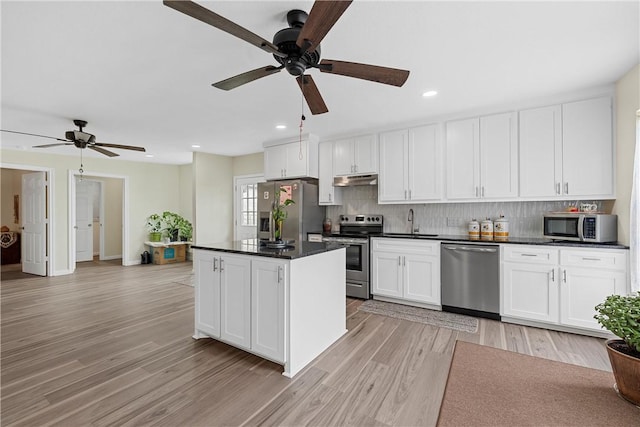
(285, 307)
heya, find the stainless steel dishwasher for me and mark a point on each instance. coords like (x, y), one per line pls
(470, 279)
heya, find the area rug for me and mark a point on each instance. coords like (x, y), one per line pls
(491, 387)
(442, 319)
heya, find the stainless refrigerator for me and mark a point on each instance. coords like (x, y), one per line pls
(303, 216)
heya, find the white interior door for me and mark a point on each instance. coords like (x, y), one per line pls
(84, 221)
(34, 223)
(245, 207)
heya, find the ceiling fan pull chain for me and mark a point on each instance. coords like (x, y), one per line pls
(302, 119)
(81, 165)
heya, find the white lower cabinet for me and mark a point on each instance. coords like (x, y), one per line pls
(268, 280)
(241, 301)
(406, 269)
(560, 286)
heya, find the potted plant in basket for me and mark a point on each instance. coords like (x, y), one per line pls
(154, 225)
(621, 316)
(279, 214)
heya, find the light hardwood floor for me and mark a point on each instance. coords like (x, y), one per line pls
(111, 345)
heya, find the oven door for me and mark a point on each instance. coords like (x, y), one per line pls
(357, 265)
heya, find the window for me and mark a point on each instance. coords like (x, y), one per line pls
(248, 203)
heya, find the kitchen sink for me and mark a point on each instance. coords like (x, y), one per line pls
(410, 236)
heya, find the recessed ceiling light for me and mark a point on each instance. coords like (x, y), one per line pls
(430, 93)
(281, 126)
(195, 146)
(148, 155)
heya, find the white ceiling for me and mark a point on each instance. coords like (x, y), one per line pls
(140, 73)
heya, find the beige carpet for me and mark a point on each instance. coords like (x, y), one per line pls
(441, 319)
(491, 387)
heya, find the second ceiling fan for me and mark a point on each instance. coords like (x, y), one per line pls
(296, 49)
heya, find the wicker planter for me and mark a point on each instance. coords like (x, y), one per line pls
(626, 370)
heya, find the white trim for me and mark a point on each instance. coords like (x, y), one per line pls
(50, 208)
(259, 178)
(72, 216)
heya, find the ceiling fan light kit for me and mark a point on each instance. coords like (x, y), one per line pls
(296, 49)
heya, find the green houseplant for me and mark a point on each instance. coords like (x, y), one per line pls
(154, 226)
(171, 223)
(185, 229)
(279, 213)
(621, 316)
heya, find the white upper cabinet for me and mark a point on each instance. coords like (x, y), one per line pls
(587, 148)
(566, 151)
(540, 151)
(293, 159)
(355, 156)
(410, 165)
(482, 157)
(327, 193)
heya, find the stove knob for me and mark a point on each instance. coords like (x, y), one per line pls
(378, 218)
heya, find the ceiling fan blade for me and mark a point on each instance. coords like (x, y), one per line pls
(102, 151)
(244, 78)
(35, 134)
(124, 147)
(52, 145)
(311, 94)
(323, 15)
(203, 14)
(374, 73)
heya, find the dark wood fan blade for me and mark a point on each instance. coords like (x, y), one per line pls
(203, 14)
(123, 147)
(52, 145)
(35, 134)
(244, 78)
(374, 73)
(102, 151)
(311, 94)
(323, 15)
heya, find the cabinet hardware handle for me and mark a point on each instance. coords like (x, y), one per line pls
(399, 260)
(221, 265)
(409, 194)
(329, 196)
(557, 188)
(591, 259)
(566, 188)
(483, 191)
(404, 261)
(355, 168)
(534, 255)
(215, 264)
(553, 275)
(564, 276)
(279, 274)
(405, 194)
(476, 191)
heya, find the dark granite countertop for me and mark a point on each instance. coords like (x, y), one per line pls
(252, 247)
(514, 240)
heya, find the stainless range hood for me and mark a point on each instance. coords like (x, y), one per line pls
(349, 181)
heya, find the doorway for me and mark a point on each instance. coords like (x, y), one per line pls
(27, 197)
(98, 218)
(245, 206)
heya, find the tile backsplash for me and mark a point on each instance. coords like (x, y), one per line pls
(525, 218)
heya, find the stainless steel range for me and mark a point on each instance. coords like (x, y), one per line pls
(354, 234)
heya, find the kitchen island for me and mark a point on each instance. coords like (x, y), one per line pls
(286, 305)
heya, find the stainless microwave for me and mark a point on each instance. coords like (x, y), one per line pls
(581, 227)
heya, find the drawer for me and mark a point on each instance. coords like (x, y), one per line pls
(529, 254)
(613, 260)
(406, 246)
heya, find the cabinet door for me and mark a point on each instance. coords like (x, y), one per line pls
(422, 278)
(392, 185)
(365, 155)
(386, 274)
(424, 160)
(587, 145)
(297, 159)
(584, 288)
(343, 157)
(540, 155)
(327, 193)
(235, 300)
(530, 291)
(275, 161)
(268, 307)
(498, 156)
(463, 174)
(207, 292)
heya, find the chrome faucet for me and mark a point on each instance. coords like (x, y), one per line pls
(410, 219)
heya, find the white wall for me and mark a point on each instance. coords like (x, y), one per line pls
(152, 188)
(213, 190)
(627, 103)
